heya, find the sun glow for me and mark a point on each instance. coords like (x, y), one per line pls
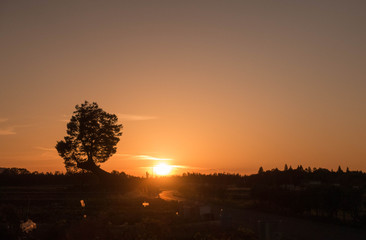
(162, 169)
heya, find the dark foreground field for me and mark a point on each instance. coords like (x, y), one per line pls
(58, 214)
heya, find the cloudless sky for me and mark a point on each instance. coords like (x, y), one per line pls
(211, 85)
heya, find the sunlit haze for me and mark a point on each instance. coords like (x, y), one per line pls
(162, 169)
(210, 86)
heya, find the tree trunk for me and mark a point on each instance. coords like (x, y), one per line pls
(92, 167)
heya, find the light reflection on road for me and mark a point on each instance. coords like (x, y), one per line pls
(171, 195)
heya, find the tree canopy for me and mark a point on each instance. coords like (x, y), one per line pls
(92, 136)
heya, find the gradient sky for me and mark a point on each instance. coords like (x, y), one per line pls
(206, 85)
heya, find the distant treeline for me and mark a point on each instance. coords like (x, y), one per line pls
(290, 178)
(308, 176)
(275, 177)
(23, 177)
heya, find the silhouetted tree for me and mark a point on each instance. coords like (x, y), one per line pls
(260, 170)
(92, 136)
(300, 168)
(285, 168)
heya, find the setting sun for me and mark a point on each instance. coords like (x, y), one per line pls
(162, 169)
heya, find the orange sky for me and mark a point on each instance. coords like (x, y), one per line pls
(210, 85)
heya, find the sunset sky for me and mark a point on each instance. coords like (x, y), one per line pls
(209, 86)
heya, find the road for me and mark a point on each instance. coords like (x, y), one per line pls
(171, 195)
